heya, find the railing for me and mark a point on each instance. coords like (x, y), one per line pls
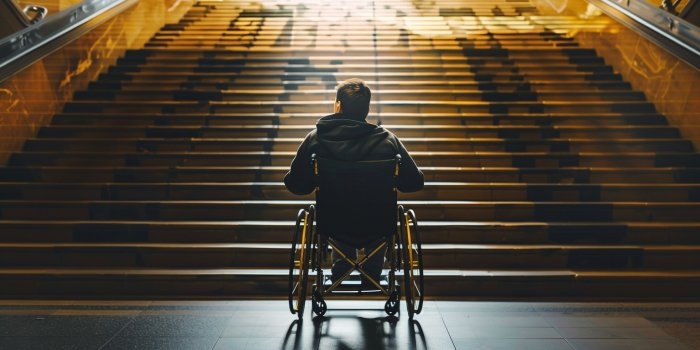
(21, 49)
(666, 29)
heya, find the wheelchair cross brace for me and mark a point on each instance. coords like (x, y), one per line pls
(356, 265)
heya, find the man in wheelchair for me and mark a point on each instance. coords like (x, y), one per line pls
(345, 137)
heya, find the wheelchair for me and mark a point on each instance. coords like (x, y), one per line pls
(356, 206)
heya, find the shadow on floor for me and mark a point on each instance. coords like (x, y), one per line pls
(352, 332)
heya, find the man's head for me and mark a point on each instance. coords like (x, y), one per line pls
(352, 99)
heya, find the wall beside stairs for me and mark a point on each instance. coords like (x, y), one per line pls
(671, 84)
(29, 99)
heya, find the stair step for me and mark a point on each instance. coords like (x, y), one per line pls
(408, 119)
(386, 106)
(385, 69)
(277, 191)
(529, 132)
(140, 58)
(277, 209)
(153, 283)
(463, 159)
(230, 76)
(232, 51)
(280, 231)
(218, 141)
(427, 95)
(380, 85)
(270, 255)
(178, 174)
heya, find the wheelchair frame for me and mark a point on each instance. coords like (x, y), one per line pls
(310, 249)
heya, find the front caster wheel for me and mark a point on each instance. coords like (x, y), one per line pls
(391, 307)
(318, 305)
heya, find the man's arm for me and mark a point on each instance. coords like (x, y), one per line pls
(300, 178)
(410, 177)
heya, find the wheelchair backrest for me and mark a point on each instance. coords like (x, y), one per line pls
(356, 201)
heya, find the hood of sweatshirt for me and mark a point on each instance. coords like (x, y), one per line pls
(348, 139)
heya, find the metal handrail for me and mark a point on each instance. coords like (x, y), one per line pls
(29, 45)
(674, 34)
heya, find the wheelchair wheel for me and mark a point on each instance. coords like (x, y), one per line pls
(412, 261)
(299, 261)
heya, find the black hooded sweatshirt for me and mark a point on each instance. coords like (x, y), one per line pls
(345, 139)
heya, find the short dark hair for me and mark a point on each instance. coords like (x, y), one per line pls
(354, 96)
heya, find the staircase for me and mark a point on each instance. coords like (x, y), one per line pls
(547, 176)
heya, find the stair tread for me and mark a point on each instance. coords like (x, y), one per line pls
(407, 140)
(318, 66)
(387, 126)
(282, 273)
(307, 202)
(416, 154)
(282, 223)
(312, 50)
(426, 246)
(382, 102)
(426, 169)
(427, 184)
(370, 116)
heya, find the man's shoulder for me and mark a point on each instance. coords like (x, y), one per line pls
(311, 135)
(390, 136)
(387, 130)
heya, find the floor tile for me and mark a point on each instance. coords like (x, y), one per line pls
(504, 333)
(280, 318)
(61, 326)
(161, 343)
(613, 321)
(602, 333)
(466, 320)
(161, 326)
(491, 307)
(627, 344)
(308, 327)
(242, 331)
(512, 344)
(260, 344)
(52, 343)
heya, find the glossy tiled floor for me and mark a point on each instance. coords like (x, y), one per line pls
(349, 325)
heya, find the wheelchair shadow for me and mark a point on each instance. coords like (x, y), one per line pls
(354, 332)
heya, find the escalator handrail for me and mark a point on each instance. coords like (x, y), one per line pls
(23, 48)
(673, 33)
